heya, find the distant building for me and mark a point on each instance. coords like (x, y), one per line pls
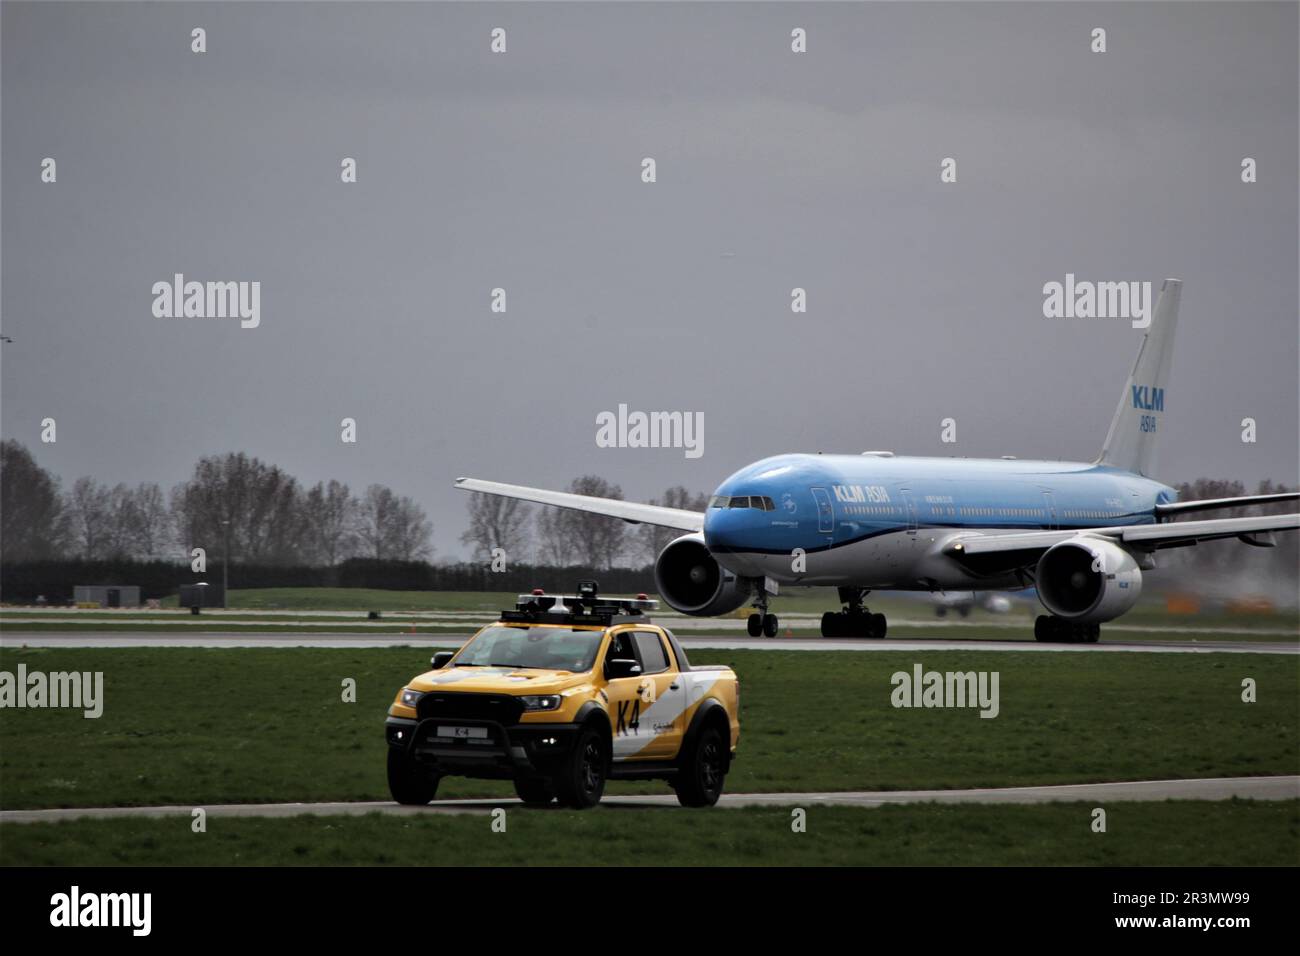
(107, 595)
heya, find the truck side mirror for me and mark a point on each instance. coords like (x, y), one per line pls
(621, 667)
(440, 659)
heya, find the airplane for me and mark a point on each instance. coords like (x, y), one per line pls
(963, 602)
(1082, 533)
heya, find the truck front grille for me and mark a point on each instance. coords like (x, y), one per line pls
(502, 708)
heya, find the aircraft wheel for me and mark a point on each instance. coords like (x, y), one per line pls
(878, 625)
(770, 625)
(754, 625)
(1043, 629)
(829, 620)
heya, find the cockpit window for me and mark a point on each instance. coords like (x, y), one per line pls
(757, 502)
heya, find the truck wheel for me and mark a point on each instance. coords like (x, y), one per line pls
(581, 781)
(407, 782)
(699, 784)
(534, 793)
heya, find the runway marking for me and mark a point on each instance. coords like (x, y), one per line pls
(429, 642)
(1212, 788)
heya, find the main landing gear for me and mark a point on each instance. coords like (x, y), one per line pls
(855, 620)
(1048, 628)
(762, 623)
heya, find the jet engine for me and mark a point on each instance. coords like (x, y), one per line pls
(691, 581)
(1088, 580)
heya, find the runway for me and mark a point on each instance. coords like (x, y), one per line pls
(357, 622)
(1224, 788)
(351, 641)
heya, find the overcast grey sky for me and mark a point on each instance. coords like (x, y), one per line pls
(522, 170)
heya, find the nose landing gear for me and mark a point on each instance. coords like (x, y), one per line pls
(854, 620)
(761, 623)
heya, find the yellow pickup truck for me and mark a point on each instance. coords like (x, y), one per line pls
(560, 695)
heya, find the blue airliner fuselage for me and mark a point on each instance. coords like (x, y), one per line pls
(884, 512)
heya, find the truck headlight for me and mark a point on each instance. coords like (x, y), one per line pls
(408, 697)
(541, 702)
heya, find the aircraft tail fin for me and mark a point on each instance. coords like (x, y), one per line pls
(1131, 441)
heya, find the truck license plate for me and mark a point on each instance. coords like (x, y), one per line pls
(465, 733)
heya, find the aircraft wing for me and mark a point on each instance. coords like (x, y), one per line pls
(1209, 504)
(1146, 537)
(631, 511)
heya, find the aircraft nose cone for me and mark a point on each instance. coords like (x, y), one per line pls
(731, 528)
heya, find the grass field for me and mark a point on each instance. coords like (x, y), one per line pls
(214, 625)
(1232, 833)
(230, 726)
(366, 599)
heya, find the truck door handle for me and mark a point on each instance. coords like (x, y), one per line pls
(673, 686)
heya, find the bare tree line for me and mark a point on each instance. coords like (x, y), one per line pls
(232, 504)
(261, 514)
(1230, 559)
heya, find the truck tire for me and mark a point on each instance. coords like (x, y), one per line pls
(407, 782)
(699, 783)
(581, 780)
(534, 793)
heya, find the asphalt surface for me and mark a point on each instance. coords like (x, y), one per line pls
(1225, 788)
(354, 622)
(243, 638)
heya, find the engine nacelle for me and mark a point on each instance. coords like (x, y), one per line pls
(691, 581)
(1088, 580)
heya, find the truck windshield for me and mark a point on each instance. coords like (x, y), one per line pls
(553, 648)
